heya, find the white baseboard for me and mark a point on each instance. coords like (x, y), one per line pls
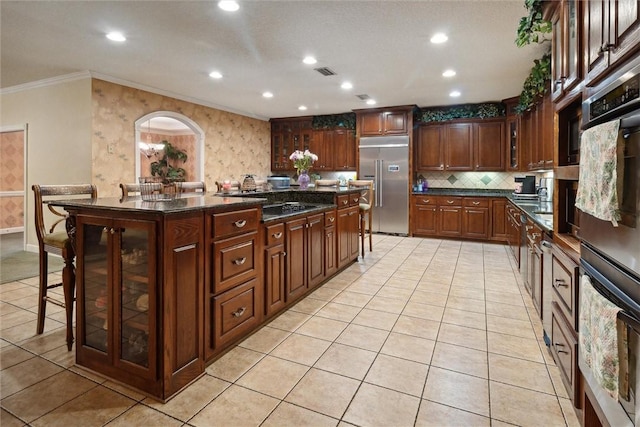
(11, 230)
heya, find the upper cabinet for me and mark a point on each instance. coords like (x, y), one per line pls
(512, 135)
(383, 122)
(537, 135)
(565, 64)
(611, 35)
(287, 136)
(461, 146)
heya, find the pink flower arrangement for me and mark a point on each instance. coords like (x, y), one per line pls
(303, 160)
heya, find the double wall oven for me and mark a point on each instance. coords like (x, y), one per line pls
(610, 256)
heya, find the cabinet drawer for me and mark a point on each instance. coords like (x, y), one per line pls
(450, 201)
(354, 199)
(274, 234)
(342, 201)
(564, 348)
(476, 202)
(234, 261)
(330, 218)
(230, 223)
(235, 312)
(425, 200)
(564, 273)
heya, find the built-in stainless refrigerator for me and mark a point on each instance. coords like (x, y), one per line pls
(385, 161)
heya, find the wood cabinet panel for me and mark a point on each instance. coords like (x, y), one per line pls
(274, 279)
(235, 312)
(236, 222)
(377, 123)
(331, 251)
(234, 261)
(395, 123)
(371, 124)
(459, 147)
(450, 221)
(315, 250)
(343, 144)
(475, 223)
(489, 146)
(296, 280)
(347, 230)
(565, 274)
(564, 349)
(430, 148)
(499, 223)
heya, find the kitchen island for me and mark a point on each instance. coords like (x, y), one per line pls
(163, 288)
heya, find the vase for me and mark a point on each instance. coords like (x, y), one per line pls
(303, 180)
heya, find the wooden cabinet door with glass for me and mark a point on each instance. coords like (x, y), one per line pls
(117, 297)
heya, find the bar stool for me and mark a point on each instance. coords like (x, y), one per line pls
(327, 182)
(58, 243)
(365, 209)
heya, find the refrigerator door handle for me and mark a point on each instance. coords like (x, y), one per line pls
(379, 182)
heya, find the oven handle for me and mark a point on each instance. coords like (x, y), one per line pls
(602, 281)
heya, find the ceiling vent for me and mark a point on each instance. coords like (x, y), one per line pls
(364, 97)
(325, 71)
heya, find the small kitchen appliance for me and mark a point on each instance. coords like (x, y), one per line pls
(279, 182)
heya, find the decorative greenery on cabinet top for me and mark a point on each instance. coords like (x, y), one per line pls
(536, 85)
(330, 121)
(533, 28)
(485, 110)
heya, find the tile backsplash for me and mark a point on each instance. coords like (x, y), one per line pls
(475, 180)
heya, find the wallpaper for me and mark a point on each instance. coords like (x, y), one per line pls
(234, 145)
(11, 178)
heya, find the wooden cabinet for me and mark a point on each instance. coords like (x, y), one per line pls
(424, 214)
(499, 224)
(288, 135)
(514, 231)
(122, 288)
(378, 123)
(234, 297)
(274, 268)
(461, 146)
(512, 135)
(430, 148)
(564, 335)
(343, 144)
(538, 134)
(347, 228)
(611, 35)
(476, 219)
(450, 216)
(489, 146)
(565, 55)
(324, 148)
(304, 244)
(330, 243)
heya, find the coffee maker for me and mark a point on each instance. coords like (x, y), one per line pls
(526, 184)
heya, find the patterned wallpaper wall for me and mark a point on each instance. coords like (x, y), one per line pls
(234, 144)
(11, 178)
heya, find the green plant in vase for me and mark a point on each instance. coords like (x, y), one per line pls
(164, 167)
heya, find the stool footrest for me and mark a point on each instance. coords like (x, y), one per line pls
(54, 301)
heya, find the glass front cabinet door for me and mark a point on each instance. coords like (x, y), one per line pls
(116, 295)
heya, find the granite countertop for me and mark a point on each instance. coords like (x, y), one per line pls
(309, 209)
(186, 202)
(294, 190)
(540, 212)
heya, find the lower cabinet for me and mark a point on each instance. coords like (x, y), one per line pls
(455, 216)
(274, 269)
(120, 297)
(330, 244)
(304, 244)
(564, 332)
(347, 229)
(514, 231)
(236, 312)
(499, 223)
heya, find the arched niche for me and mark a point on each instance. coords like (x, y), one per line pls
(170, 125)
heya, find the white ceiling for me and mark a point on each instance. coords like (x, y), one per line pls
(382, 47)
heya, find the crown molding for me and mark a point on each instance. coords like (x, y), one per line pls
(46, 82)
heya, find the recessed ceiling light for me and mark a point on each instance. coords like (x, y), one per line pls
(267, 94)
(439, 38)
(371, 101)
(228, 5)
(116, 36)
(309, 60)
(346, 85)
(302, 108)
(215, 75)
(449, 73)
(454, 94)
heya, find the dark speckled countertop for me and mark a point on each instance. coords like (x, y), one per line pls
(540, 212)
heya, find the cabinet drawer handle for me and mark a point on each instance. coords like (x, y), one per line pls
(425, 200)
(556, 345)
(240, 261)
(475, 203)
(450, 202)
(560, 283)
(239, 312)
(351, 213)
(332, 219)
(344, 202)
(355, 200)
(277, 235)
(240, 223)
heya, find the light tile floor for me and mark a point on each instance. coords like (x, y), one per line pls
(422, 332)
